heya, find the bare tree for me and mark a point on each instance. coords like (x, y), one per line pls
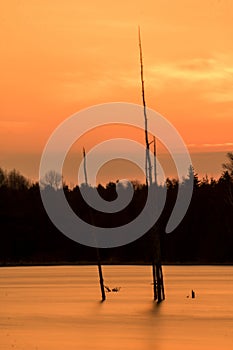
(52, 179)
(17, 181)
(3, 177)
(229, 173)
(229, 166)
(158, 285)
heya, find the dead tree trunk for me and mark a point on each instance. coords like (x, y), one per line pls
(158, 286)
(101, 279)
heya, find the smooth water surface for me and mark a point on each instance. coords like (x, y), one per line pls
(59, 308)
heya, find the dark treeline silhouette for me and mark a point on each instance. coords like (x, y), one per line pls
(205, 235)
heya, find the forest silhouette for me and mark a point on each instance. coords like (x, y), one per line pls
(205, 235)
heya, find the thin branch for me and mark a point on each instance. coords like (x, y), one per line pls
(85, 166)
(148, 160)
(155, 163)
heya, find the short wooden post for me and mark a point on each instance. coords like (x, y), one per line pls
(101, 281)
(154, 281)
(158, 282)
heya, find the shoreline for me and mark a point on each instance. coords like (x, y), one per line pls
(104, 263)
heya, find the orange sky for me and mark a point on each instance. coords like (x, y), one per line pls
(60, 56)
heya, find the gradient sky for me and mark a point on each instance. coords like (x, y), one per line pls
(58, 57)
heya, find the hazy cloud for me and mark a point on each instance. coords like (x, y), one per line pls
(195, 70)
(224, 144)
(212, 77)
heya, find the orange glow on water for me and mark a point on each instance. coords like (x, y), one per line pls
(59, 307)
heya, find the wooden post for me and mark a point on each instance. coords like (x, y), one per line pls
(162, 283)
(101, 279)
(154, 281)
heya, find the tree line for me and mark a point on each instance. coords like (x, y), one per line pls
(205, 235)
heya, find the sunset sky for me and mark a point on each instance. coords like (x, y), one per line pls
(58, 57)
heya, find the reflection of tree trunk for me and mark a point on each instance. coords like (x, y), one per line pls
(157, 273)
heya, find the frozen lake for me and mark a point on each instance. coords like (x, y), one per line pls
(59, 308)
